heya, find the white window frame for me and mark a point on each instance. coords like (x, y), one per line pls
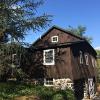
(53, 40)
(95, 65)
(44, 58)
(93, 62)
(81, 57)
(86, 59)
(46, 82)
(14, 56)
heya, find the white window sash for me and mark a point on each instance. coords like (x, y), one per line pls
(53, 40)
(81, 58)
(44, 58)
(45, 82)
(93, 62)
(86, 59)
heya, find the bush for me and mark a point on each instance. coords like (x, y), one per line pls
(10, 90)
(58, 97)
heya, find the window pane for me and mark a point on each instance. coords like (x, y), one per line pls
(49, 57)
(86, 59)
(54, 39)
(49, 81)
(81, 58)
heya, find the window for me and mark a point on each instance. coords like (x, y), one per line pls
(86, 59)
(81, 58)
(14, 56)
(94, 63)
(48, 81)
(54, 39)
(48, 57)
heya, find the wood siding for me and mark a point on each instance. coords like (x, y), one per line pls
(61, 69)
(67, 63)
(82, 70)
(62, 38)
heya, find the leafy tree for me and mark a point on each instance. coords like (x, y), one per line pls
(80, 31)
(19, 16)
(98, 65)
(10, 56)
(98, 52)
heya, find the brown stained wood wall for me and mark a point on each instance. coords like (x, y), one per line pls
(62, 68)
(62, 37)
(67, 58)
(82, 70)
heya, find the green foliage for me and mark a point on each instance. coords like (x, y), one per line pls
(98, 65)
(98, 52)
(8, 63)
(64, 95)
(57, 97)
(10, 90)
(19, 16)
(80, 31)
(98, 70)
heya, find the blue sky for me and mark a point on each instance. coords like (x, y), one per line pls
(73, 13)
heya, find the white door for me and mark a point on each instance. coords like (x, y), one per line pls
(91, 87)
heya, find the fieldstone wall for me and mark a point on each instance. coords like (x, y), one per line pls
(63, 83)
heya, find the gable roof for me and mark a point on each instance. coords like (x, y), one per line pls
(61, 29)
(67, 32)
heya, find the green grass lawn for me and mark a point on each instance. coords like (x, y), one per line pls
(10, 90)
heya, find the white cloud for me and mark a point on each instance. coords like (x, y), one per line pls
(97, 48)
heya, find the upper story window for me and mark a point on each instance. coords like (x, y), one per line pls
(86, 59)
(93, 62)
(54, 39)
(81, 57)
(48, 57)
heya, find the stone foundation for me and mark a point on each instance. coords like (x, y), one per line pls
(62, 83)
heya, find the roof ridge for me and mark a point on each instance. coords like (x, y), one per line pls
(57, 27)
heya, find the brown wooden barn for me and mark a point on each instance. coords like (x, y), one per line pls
(61, 58)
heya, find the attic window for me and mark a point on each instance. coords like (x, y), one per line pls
(86, 59)
(81, 57)
(54, 39)
(48, 57)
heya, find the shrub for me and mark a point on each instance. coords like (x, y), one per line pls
(10, 90)
(58, 97)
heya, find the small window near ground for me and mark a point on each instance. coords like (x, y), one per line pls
(14, 56)
(48, 57)
(48, 81)
(81, 57)
(54, 39)
(86, 59)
